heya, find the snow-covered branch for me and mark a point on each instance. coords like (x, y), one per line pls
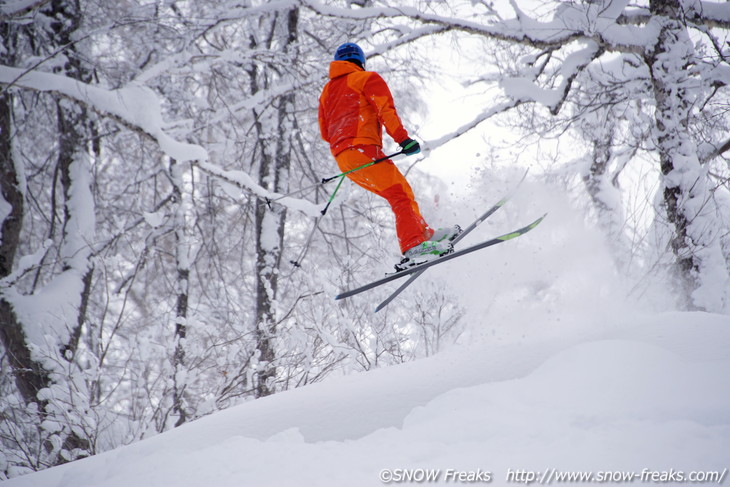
(137, 107)
(527, 90)
(717, 152)
(486, 115)
(19, 7)
(544, 33)
(244, 181)
(568, 26)
(709, 14)
(409, 36)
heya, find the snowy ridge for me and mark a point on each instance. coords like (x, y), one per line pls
(648, 394)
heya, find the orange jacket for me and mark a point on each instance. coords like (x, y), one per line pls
(354, 106)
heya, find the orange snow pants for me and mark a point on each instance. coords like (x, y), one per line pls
(385, 180)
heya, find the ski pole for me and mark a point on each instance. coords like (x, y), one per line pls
(327, 180)
(332, 197)
(298, 261)
(342, 177)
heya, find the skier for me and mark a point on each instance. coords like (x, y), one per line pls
(353, 108)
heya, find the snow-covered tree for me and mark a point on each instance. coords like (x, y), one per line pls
(669, 55)
(43, 315)
(145, 281)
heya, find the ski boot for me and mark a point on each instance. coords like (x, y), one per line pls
(424, 252)
(447, 234)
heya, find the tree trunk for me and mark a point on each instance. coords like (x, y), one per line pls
(596, 177)
(275, 163)
(75, 175)
(26, 359)
(72, 120)
(29, 375)
(685, 186)
(182, 266)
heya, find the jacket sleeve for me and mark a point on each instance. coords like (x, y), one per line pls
(322, 121)
(378, 94)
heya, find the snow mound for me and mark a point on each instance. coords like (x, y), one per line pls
(650, 396)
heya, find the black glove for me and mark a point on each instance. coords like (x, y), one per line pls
(410, 147)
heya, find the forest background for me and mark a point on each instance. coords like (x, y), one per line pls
(145, 282)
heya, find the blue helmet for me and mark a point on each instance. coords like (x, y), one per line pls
(350, 51)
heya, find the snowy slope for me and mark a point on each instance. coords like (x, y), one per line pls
(649, 395)
(556, 373)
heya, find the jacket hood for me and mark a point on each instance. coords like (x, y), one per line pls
(340, 68)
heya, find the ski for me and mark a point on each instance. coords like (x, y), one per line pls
(463, 234)
(441, 260)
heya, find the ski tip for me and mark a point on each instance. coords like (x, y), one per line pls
(523, 230)
(536, 222)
